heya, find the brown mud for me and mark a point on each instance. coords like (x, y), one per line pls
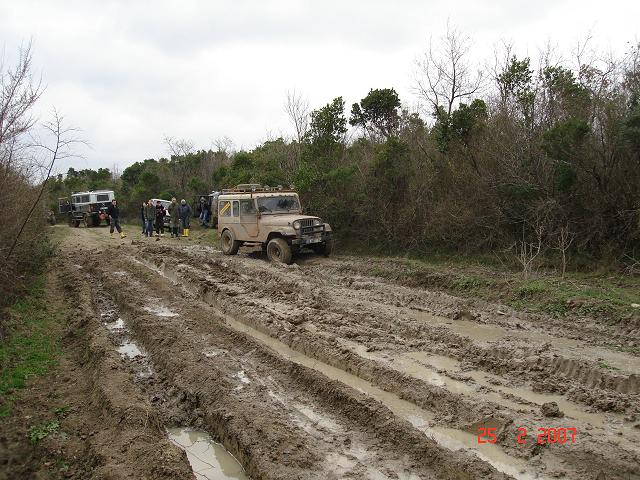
(317, 370)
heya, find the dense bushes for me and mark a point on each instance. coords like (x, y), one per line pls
(544, 160)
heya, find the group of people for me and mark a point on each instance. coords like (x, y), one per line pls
(153, 215)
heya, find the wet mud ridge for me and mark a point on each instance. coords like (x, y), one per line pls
(318, 371)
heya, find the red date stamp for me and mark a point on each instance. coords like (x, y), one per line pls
(543, 436)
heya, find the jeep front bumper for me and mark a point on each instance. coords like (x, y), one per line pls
(312, 238)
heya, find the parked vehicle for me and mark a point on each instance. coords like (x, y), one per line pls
(89, 208)
(251, 214)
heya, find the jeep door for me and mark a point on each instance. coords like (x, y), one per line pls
(249, 217)
(229, 217)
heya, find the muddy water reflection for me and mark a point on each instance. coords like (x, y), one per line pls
(484, 333)
(420, 418)
(209, 460)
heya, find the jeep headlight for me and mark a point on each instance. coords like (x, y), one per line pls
(317, 221)
(296, 224)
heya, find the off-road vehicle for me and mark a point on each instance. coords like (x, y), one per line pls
(90, 208)
(272, 218)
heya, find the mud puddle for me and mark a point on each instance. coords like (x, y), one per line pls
(434, 369)
(160, 311)
(119, 335)
(209, 460)
(130, 350)
(420, 418)
(484, 333)
(167, 273)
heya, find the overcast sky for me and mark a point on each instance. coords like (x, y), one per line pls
(129, 73)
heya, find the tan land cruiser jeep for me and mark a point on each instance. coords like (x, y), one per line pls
(251, 214)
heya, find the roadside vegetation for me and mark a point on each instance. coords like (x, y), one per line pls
(29, 149)
(30, 347)
(603, 296)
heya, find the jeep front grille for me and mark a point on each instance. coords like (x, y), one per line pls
(307, 222)
(308, 228)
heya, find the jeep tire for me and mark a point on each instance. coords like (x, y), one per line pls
(278, 250)
(228, 243)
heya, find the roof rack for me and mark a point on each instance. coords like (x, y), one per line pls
(257, 188)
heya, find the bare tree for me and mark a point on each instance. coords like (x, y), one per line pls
(297, 108)
(19, 92)
(527, 252)
(443, 75)
(564, 239)
(26, 158)
(59, 148)
(223, 145)
(178, 146)
(180, 149)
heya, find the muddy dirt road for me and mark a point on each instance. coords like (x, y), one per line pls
(316, 370)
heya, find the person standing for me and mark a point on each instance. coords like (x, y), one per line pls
(174, 212)
(149, 217)
(160, 213)
(114, 218)
(206, 209)
(201, 210)
(185, 217)
(144, 222)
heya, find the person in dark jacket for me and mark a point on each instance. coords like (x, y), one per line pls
(174, 213)
(201, 211)
(149, 217)
(160, 213)
(206, 214)
(144, 224)
(185, 217)
(114, 218)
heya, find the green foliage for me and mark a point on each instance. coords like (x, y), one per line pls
(30, 349)
(61, 412)
(565, 92)
(631, 128)
(378, 112)
(516, 78)
(468, 118)
(391, 170)
(565, 140)
(565, 177)
(37, 433)
(460, 125)
(516, 83)
(328, 123)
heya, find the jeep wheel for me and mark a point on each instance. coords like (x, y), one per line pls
(325, 248)
(278, 250)
(229, 244)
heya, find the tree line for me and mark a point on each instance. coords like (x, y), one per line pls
(532, 160)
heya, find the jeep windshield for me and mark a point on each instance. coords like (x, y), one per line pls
(282, 203)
